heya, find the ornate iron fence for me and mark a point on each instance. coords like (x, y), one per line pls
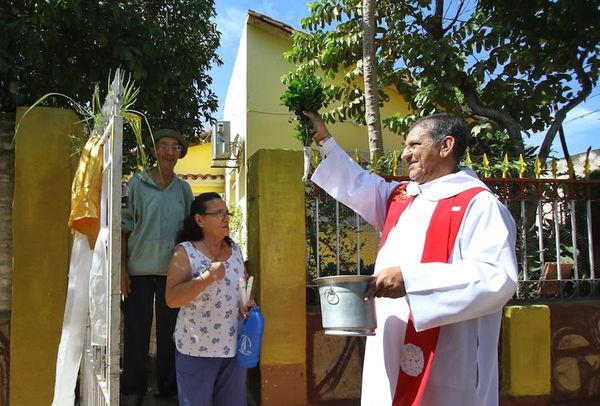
(558, 227)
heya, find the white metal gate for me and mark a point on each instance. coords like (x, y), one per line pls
(100, 367)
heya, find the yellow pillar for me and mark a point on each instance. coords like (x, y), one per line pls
(276, 254)
(526, 335)
(41, 246)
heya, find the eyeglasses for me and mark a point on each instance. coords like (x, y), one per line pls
(166, 148)
(221, 213)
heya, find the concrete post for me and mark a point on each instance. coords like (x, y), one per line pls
(41, 249)
(277, 256)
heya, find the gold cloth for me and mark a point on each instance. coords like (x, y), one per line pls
(86, 191)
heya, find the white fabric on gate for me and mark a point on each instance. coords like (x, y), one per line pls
(74, 321)
(99, 290)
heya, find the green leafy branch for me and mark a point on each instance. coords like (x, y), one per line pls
(304, 93)
(94, 116)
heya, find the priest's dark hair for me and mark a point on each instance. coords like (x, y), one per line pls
(441, 125)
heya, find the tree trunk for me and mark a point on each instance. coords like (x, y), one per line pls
(372, 115)
(7, 179)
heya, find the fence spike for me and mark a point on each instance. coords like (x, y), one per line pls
(356, 157)
(522, 166)
(505, 166)
(587, 168)
(553, 166)
(538, 167)
(486, 166)
(468, 161)
(394, 163)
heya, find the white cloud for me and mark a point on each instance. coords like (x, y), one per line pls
(230, 22)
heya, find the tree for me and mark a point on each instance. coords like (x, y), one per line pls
(513, 69)
(372, 114)
(69, 46)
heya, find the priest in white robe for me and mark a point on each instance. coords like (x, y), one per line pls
(463, 296)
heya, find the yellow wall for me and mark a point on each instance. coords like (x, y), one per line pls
(526, 359)
(41, 249)
(268, 125)
(276, 254)
(198, 161)
(254, 110)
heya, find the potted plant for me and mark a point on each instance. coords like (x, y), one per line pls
(551, 271)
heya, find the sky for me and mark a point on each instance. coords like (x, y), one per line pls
(581, 127)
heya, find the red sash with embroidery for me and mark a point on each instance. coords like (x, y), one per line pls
(419, 347)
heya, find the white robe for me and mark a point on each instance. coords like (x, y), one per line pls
(464, 297)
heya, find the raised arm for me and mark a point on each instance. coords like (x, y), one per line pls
(181, 287)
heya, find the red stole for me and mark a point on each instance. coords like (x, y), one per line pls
(419, 347)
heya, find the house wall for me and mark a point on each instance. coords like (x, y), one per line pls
(196, 169)
(578, 164)
(234, 111)
(257, 118)
(268, 119)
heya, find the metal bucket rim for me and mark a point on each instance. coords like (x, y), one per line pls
(341, 279)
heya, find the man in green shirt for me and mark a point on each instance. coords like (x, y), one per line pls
(157, 203)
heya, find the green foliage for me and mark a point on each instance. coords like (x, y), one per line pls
(304, 93)
(491, 63)
(236, 226)
(95, 115)
(68, 46)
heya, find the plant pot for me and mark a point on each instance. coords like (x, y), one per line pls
(343, 309)
(552, 286)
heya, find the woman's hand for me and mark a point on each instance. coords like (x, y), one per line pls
(217, 271)
(246, 308)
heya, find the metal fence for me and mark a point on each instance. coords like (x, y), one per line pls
(558, 236)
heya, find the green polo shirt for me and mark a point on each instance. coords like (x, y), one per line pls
(154, 218)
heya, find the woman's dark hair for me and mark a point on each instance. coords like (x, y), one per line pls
(191, 231)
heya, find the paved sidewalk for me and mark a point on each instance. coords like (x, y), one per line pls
(149, 399)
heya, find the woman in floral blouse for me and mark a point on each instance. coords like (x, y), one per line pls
(203, 280)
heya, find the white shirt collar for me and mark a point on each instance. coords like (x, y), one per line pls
(448, 185)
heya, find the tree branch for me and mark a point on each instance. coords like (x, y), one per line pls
(506, 120)
(460, 6)
(561, 114)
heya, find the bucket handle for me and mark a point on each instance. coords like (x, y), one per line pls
(331, 297)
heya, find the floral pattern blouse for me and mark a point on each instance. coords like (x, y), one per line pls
(208, 326)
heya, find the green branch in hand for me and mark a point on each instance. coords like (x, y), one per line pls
(304, 93)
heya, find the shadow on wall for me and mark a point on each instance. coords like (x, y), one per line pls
(334, 365)
(575, 351)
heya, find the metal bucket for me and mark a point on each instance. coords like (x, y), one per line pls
(343, 309)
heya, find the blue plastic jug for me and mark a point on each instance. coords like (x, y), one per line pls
(248, 347)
